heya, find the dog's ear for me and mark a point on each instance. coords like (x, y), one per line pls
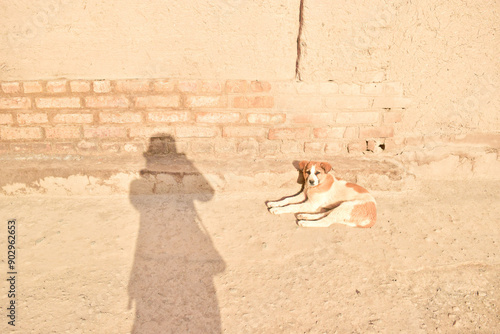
(303, 164)
(299, 165)
(326, 166)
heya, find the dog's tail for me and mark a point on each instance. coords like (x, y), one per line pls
(356, 213)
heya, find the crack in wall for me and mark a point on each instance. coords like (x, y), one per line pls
(299, 41)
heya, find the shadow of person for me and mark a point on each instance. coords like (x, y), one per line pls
(171, 281)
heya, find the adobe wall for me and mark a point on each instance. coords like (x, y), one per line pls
(271, 79)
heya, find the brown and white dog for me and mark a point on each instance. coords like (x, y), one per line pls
(325, 200)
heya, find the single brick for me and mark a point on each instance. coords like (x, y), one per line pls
(57, 102)
(158, 101)
(349, 89)
(236, 86)
(30, 87)
(393, 117)
(348, 102)
(66, 148)
(111, 147)
(217, 117)
(248, 146)
(266, 118)
(200, 86)
(253, 102)
(67, 132)
(102, 86)
(206, 101)
(414, 141)
(15, 103)
(299, 103)
(208, 86)
(288, 133)
(4, 147)
(329, 132)
(361, 117)
(393, 88)
(225, 146)
(391, 102)
(6, 119)
(483, 139)
(375, 76)
(56, 86)
(373, 89)
(291, 146)
(356, 146)
(285, 87)
(370, 145)
(132, 85)
(202, 147)
(11, 87)
(314, 147)
(260, 86)
(180, 146)
(164, 86)
(196, 131)
(41, 147)
(269, 148)
(120, 117)
(244, 131)
(351, 132)
(376, 132)
(133, 147)
(79, 86)
(73, 118)
(87, 146)
(310, 118)
(21, 147)
(188, 86)
(32, 118)
(13, 133)
(306, 88)
(168, 116)
(117, 101)
(335, 148)
(105, 132)
(31, 147)
(150, 131)
(328, 88)
(394, 144)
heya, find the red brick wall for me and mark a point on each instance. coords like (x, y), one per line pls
(205, 117)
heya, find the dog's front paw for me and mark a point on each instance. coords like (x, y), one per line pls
(275, 211)
(303, 223)
(271, 204)
(301, 216)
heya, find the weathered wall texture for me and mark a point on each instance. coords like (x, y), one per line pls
(138, 39)
(417, 81)
(445, 54)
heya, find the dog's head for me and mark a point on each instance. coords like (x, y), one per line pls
(314, 172)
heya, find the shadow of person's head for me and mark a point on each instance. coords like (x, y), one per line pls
(161, 144)
(170, 171)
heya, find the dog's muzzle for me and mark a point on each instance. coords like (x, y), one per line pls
(313, 182)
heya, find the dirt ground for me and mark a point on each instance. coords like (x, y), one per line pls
(219, 262)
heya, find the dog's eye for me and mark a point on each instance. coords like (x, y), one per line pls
(308, 172)
(317, 173)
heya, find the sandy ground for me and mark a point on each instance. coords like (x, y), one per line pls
(208, 263)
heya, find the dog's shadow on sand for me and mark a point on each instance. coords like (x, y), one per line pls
(300, 181)
(171, 282)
